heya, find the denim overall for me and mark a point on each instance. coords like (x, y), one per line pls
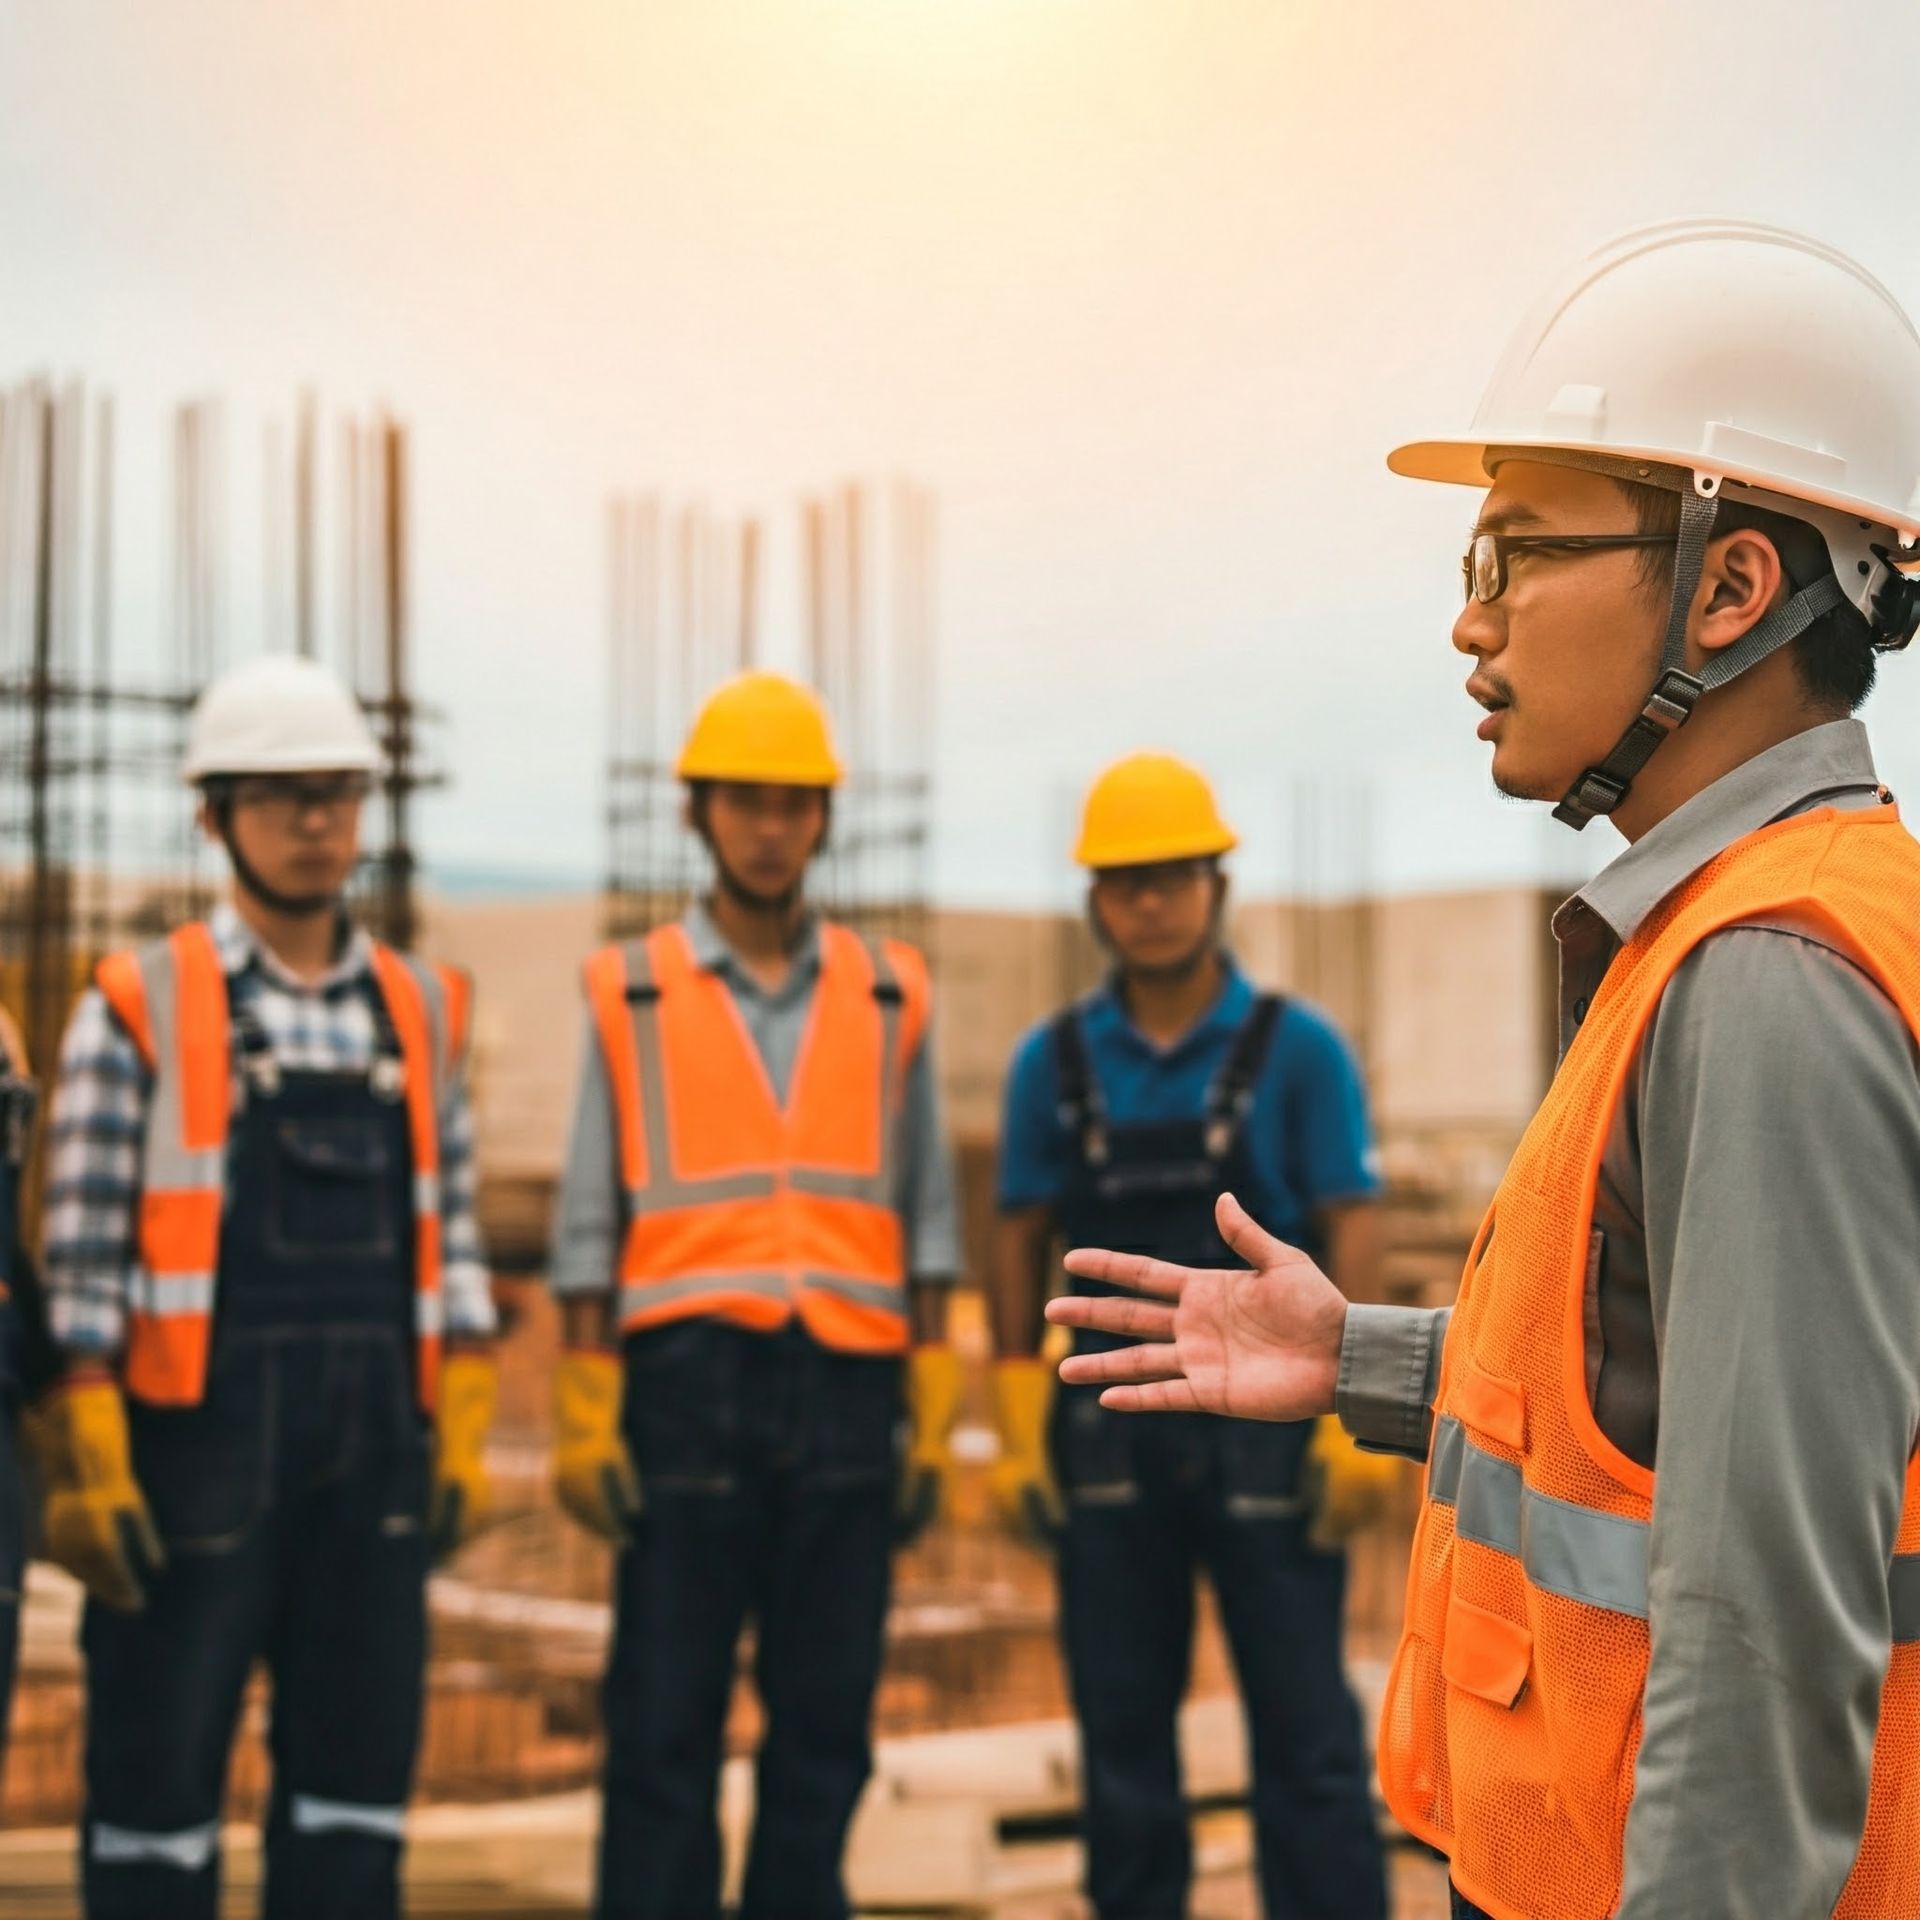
(292, 1505)
(1153, 1499)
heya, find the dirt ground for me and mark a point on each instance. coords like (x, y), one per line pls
(36, 1883)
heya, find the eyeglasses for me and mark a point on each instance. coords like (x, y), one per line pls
(1160, 876)
(1483, 567)
(286, 800)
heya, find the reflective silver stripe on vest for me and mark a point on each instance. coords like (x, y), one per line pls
(314, 1815)
(433, 993)
(429, 1313)
(883, 1295)
(871, 1189)
(1575, 1551)
(188, 1848)
(426, 1194)
(168, 1165)
(638, 1296)
(162, 1294)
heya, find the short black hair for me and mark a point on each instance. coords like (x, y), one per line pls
(1834, 660)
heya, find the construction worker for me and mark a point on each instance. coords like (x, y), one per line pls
(20, 1350)
(756, 1231)
(1662, 1647)
(263, 1273)
(1127, 1114)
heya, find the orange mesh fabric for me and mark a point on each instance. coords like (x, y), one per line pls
(1529, 1794)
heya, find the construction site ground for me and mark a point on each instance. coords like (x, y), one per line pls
(479, 1876)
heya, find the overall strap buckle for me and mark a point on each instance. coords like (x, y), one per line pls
(1230, 1098)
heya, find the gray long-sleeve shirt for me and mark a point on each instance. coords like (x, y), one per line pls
(591, 1214)
(1754, 1333)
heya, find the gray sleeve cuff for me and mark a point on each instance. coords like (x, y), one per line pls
(1389, 1363)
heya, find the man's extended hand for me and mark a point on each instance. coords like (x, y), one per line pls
(1263, 1343)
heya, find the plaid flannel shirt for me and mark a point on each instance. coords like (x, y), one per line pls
(98, 1125)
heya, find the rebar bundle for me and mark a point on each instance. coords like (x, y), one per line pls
(98, 843)
(688, 605)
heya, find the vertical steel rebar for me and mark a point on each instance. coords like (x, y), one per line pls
(398, 901)
(305, 513)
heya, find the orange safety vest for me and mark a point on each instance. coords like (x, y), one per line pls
(736, 1207)
(172, 999)
(1513, 1711)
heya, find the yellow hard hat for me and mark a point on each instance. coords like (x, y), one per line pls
(761, 727)
(1148, 807)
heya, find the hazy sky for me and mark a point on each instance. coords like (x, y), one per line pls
(1143, 288)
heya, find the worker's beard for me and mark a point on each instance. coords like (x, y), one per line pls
(1172, 973)
(781, 905)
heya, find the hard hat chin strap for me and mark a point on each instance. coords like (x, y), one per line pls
(295, 906)
(1676, 692)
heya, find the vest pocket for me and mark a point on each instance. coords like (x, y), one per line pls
(1486, 1654)
(332, 1185)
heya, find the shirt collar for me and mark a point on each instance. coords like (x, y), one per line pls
(1228, 1009)
(1784, 780)
(239, 948)
(712, 953)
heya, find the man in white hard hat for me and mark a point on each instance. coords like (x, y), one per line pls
(1661, 1657)
(263, 1273)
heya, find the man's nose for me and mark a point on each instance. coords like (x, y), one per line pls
(1479, 630)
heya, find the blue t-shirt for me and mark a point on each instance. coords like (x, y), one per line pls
(1308, 1136)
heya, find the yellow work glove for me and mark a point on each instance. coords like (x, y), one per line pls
(933, 1401)
(1021, 1484)
(1345, 1489)
(95, 1523)
(457, 1506)
(593, 1473)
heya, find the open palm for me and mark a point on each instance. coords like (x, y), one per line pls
(1261, 1341)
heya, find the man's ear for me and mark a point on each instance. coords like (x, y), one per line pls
(1741, 580)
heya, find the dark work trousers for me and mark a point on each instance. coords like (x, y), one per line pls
(1463, 1908)
(1152, 1501)
(291, 1502)
(767, 1467)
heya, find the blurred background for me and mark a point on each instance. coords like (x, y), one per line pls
(1017, 370)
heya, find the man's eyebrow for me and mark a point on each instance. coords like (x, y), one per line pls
(1507, 519)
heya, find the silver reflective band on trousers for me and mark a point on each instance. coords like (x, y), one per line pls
(1578, 1552)
(314, 1815)
(188, 1848)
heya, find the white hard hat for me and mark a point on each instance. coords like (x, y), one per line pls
(278, 714)
(1755, 359)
